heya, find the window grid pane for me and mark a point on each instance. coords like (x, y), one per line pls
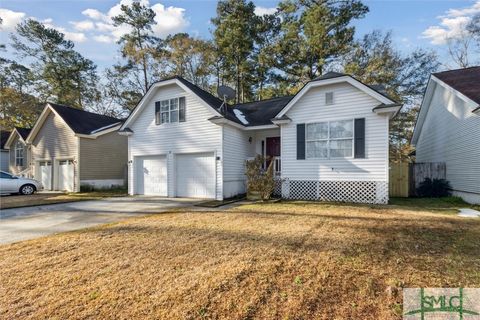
(165, 118)
(341, 129)
(332, 139)
(341, 148)
(317, 131)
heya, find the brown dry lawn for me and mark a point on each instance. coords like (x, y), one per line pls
(36, 199)
(269, 261)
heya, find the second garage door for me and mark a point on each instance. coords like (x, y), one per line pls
(195, 175)
(65, 175)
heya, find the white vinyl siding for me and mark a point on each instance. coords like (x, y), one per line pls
(451, 134)
(237, 148)
(349, 103)
(196, 135)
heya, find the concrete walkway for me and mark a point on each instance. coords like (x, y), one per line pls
(469, 213)
(31, 222)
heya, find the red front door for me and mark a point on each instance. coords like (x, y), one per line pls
(273, 147)
(272, 150)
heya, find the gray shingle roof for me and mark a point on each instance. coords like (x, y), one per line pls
(24, 132)
(260, 113)
(81, 121)
(465, 81)
(256, 113)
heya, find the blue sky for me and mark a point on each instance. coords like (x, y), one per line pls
(87, 22)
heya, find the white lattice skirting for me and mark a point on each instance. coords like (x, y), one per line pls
(341, 191)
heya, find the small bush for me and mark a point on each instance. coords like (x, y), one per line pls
(435, 188)
(258, 179)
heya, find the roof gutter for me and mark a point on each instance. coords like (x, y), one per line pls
(391, 110)
(106, 127)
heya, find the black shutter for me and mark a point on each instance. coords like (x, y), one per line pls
(181, 109)
(157, 112)
(360, 138)
(301, 141)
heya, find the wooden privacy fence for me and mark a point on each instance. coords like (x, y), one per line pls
(398, 184)
(405, 178)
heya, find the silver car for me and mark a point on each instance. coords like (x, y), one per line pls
(13, 184)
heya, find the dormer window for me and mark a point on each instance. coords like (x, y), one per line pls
(19, 156)
(329, 98)
(170, 111)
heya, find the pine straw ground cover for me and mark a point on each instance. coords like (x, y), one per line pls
(272, 261)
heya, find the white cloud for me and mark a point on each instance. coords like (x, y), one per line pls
(84, 25)
(10, 19)
(168, 20)
(452, 25)
(261, 11)
(94, 14)
(103, 38)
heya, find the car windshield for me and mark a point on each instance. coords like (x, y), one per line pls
(5, 175)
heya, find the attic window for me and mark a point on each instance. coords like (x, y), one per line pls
(171, 110)
(328, 98)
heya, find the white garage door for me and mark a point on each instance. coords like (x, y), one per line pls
(152, 176)
(195, 175)
(65, 175)
(45, 171)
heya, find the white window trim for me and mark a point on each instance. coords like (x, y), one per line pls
(329, 139)
(19, 147)
(170, 110)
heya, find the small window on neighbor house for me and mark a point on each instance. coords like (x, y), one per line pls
(329, 98)
(170, 111)
(19, 154)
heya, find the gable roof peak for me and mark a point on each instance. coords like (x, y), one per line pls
(23, 132)
(331, 75)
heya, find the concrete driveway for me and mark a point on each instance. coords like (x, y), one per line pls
(31, 222)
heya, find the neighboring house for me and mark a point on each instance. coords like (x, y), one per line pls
(4, 154)
(19, 158)
(71, 147)
(448, 129)
(330, 141)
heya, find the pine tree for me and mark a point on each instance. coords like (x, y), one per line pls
(60, 73)
(235, 36)
(313, 34)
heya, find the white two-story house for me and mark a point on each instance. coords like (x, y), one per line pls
(330, 141)
(448, 129)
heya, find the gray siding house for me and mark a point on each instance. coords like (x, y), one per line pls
(4, 154)
(19, 153)
(448, 129)
(71, 147)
